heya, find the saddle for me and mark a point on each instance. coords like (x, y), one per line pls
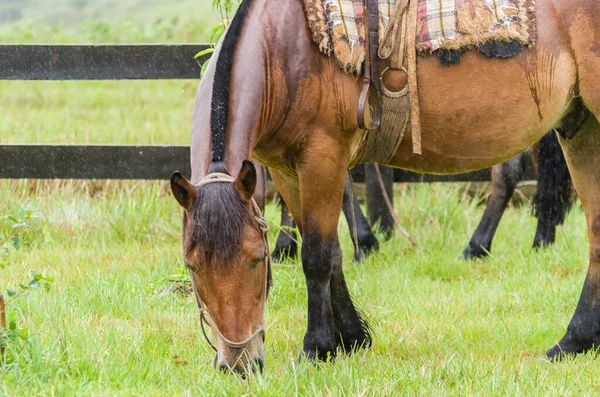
(380, 40)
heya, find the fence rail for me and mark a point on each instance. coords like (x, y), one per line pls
(120, 62)
(141, 162)
(100, 62)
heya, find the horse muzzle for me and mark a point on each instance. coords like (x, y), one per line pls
(242, 361)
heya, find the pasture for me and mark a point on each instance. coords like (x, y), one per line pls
(113, 322)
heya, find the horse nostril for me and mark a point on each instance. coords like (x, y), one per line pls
(254, 366)
(224, 367)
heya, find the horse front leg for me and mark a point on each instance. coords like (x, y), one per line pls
(583, 157)
(317, 214)
(505, 177)
(333, 320)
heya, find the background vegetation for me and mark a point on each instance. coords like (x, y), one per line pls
(112, 322)
(77, 13)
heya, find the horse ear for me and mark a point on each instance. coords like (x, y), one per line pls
(245, 183)
(183, 191)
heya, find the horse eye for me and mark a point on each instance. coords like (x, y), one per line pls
(192, 266)
(255, 262)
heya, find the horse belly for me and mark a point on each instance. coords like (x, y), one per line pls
(485, 111)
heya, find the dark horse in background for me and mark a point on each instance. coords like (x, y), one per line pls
(271, 96)
(363, 238)
(552, 200)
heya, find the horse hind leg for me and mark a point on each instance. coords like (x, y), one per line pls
(553, 196)
(287, 241)
(505, 177)
(377, 209)
(583, 157)
(362, 236)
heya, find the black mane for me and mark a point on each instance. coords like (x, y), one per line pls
(219, 114)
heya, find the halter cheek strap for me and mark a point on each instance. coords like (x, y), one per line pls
(205, 317)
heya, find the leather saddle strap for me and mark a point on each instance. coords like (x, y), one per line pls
(370, 95)
(415, 113)
(373, 25)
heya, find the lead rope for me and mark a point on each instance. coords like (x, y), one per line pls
(390, 207)
(205, 317)
(354, 228)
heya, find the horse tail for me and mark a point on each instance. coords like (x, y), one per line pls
(553, 196)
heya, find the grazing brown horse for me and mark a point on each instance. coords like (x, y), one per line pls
(270, 95)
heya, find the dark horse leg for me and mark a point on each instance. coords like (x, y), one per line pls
(553, 196)
(333, 320)
(583, 332)
(555, 187)
(365, 239)
(287, 240)
(505, 177)
(377, 209)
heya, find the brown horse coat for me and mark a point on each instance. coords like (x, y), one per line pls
(279, 101)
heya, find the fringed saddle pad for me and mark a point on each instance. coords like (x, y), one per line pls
(337, 26)
(461, 24)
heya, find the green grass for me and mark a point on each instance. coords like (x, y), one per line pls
(72, 13)
(147, 112)
(441, 325)
(106, 327)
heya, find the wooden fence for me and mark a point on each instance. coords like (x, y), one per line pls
(119, 62)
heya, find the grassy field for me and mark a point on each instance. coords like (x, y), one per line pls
(111, 325)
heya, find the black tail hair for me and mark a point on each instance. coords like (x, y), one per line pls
(553, 197)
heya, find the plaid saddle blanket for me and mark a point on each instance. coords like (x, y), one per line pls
(338, 27)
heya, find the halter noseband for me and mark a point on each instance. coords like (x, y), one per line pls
(263, 226)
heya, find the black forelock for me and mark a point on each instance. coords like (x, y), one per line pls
(218, 221)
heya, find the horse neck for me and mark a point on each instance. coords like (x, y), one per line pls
(269, 62)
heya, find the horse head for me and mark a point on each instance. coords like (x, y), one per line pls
(226, 252)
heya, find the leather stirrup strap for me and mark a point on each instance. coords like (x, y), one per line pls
(370, 94)
(415, 112)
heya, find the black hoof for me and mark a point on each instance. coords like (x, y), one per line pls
(279, 254)
(314, 356)
(366, 246)
(319, 349)
(475, 252)
(353, 345)
(570, 348)
(538, 244)
(555, 354)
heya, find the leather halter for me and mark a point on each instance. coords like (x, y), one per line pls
(205, 317)
(370, 94)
